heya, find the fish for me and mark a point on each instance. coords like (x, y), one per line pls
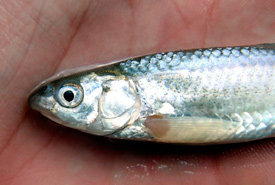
(199, 96)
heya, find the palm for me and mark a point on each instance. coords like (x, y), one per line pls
(39, 38)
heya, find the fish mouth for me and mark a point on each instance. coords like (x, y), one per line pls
(33, 95)
(32, 99)
(35, 102)
(41, 99)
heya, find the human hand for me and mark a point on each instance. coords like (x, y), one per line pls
(39, 38)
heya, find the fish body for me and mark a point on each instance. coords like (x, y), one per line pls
(203, 96)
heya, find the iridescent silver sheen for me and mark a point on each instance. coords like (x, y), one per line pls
(215, 95)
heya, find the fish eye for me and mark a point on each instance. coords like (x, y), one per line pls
(69, 95)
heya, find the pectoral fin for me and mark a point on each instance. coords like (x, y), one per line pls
(193, 130)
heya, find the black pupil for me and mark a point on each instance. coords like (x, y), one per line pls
(68, 96)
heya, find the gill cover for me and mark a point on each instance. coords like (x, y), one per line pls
(119, 106)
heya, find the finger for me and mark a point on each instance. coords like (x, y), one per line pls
(113, 30)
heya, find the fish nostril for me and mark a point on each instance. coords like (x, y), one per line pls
(32, 100)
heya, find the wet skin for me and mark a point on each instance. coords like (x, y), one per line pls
(39, 38)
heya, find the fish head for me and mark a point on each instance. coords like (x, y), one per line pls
(99, 105)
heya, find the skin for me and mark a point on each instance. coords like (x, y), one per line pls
(39, 38)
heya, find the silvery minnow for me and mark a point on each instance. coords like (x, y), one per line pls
(202, 96)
